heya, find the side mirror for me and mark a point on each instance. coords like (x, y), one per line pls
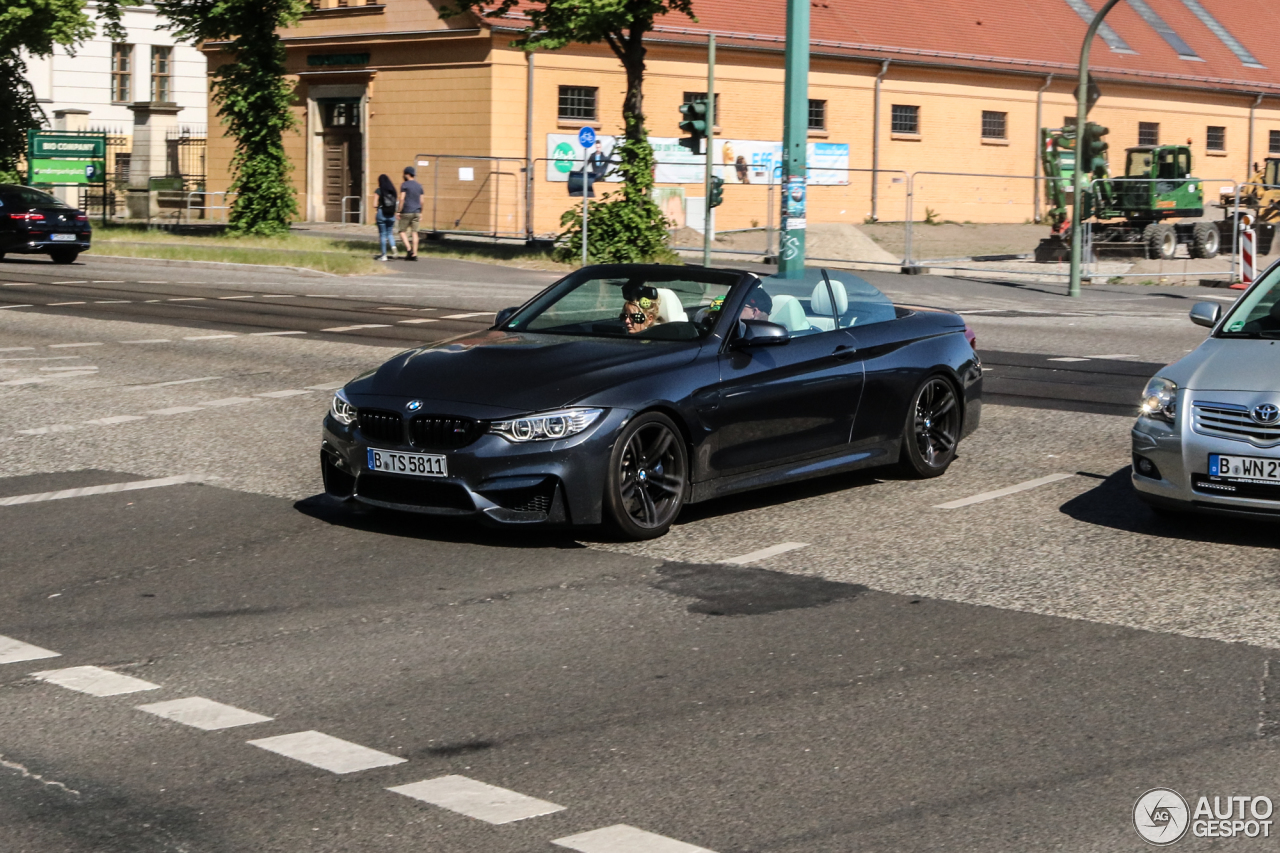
(761, 333)
(1206, 314)
(503, 316)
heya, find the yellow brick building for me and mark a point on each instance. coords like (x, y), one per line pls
(385, 85)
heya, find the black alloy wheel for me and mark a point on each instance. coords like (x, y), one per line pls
(648, 477)
(932, 431)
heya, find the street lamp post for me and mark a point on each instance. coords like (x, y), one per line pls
(795, 141)
(1082, 113)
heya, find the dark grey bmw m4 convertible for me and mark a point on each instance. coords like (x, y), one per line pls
(623, 392)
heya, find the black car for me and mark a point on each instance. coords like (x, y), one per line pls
(623, 392)
(36, 223)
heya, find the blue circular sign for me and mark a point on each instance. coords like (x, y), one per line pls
(586, 137)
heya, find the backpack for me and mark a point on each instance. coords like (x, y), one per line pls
(387, 202)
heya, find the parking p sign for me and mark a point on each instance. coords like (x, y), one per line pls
(586, 137)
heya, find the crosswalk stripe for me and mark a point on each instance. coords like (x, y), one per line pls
(479, 800)
(95, 681)
(326, 752)
(16, 651)
(202, 713)
(621, 838)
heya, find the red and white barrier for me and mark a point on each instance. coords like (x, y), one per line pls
(1248, 251)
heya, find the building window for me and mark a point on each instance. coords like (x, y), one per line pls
(1273, 146)
(1215, 138)
(578, 102)
(161, 63)
(995, 125)
(694, 97)
(1148, 133)
(121, 72)
(906, 119)
(817, 115)
(340, 114)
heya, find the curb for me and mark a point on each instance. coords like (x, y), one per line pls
(167, 262)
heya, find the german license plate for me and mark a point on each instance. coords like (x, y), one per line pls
(63, 238)
(414, 464)
(1244, 468)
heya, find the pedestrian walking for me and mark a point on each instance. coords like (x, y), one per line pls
(385, 216)
(410, 212)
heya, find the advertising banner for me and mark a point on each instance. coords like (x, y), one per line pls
(68, 171)
(738, 161)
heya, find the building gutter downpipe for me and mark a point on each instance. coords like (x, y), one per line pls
(528, 147)
(1035, 189)
(875, 145)
(1249, 170)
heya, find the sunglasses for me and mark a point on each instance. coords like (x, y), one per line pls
(636, 318)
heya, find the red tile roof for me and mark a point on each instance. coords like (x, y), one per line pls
(1037, 36)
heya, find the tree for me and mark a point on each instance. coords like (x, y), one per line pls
(37, 27)
(623, 25)
(253, 100)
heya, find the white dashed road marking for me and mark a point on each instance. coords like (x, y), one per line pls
(149, 341)
(477, 799)
(226, 401)
(766, 553)
(170, 382)
(203, 713)
(109, 488)
(67, 346)
(16, 651)
(466, 316)
(1007, 490)
(116, 419)
(289, 393)
(361, 326)
(419, 320)
(51, 304)
(175, 410)
(625, 839)
(269, 334)
(207, 337)
(46, 430)
(326, 752)
(1068, 358)
(16, 349)
(95, 681)
(327, 386)
(1115, 356)
(16, 306)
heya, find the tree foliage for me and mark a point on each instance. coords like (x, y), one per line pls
(622, 25)
(253, 100)
(38, 27)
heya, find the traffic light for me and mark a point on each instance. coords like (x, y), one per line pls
(1093, 150)
(694, 123)
(717, 191)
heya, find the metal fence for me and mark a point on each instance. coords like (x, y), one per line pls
(477, 196)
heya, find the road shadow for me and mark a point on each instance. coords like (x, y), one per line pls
(1115, 503)
(409, 525)
(769, 496)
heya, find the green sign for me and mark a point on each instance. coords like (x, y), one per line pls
(68, 171)
(56, 145)
(338, 59)
(565, 156)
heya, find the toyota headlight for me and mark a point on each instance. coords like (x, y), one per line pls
(341, 409)
(547, 426)
(1160, 399)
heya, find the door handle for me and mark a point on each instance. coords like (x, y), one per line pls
(845, 352)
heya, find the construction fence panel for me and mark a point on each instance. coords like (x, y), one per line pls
(479, 196)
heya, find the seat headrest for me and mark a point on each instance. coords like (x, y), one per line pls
(821, 302)
(669, 308)
(788, 313)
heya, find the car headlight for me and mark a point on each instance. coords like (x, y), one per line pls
(341, 409)
(547, 426)
(1160, 399)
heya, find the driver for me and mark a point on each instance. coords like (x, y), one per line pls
(640, 312)
(757, 306)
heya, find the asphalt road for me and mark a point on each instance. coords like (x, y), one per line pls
(844, 665)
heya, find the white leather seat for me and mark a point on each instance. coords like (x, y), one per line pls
(669, 308)
(820, 302)
(788, 313)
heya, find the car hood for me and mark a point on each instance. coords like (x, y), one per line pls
(1229, 364)
(520, 372)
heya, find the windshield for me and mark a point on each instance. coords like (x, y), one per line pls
(1139, 165)
(654, 303)
(24, 198)
(1257, 314)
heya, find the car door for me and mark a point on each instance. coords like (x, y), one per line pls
(783, 403)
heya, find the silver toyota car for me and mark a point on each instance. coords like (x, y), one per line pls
(1208, 436)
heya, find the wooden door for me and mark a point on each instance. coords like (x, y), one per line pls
(337, 173)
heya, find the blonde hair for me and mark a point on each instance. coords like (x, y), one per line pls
(646, 306)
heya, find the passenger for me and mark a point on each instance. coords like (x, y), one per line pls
(758, 305)
(640, 315)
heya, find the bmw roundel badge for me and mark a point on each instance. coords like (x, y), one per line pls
(414, 405)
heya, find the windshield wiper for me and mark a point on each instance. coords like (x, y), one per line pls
(1253, 335)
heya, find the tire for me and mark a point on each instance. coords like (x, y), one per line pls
(64, 256)
(1205, 240)
(648, 477)
(1162, 241)
(931, 432)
